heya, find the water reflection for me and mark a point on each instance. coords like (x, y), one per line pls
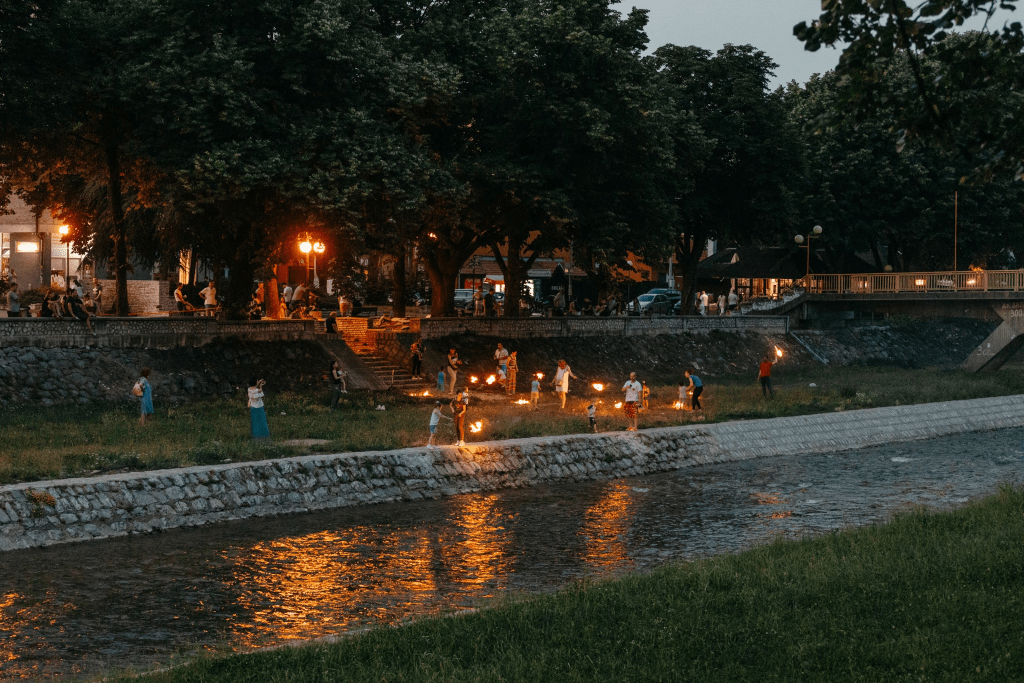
(81, 608)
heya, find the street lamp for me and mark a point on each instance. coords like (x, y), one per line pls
(318, 248)
(64, 230)
(305, 248)
(799, 239)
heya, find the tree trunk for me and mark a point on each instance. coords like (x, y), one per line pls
(691, 246)
(120, 255)
(514, 268)
(238, 292)
(398, 283)
(271, 299)
(442, 285)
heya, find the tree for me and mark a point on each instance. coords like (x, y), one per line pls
(977, 76)
(750, 161)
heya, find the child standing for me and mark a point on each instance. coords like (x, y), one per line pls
(435, 417)
(592, 414)
(535, 392)
(440, 381)
(645, 396)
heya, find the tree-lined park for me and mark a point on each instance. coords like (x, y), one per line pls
(228, 130)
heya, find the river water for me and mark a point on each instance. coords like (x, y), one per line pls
(153, 600)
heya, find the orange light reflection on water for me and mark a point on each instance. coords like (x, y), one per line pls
(605, 526)
(323, 583)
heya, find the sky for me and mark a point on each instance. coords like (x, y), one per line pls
(765, 24)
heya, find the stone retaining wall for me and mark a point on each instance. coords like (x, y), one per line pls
(161, 332)
(621, 326)
(70, 510)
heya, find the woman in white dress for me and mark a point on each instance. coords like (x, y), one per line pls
(561, 381)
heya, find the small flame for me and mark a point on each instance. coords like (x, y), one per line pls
(540, 375)
(619, 404)
(492, 379)
(474, 379)
(426, 393)
(678, 405)
(778, 352)
(476, 427)
(598, 386)
(522, 402)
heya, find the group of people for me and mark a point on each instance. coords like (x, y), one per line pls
(485, 304)
(208, 294)
(725, 305)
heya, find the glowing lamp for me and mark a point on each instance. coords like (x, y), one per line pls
(540, 375)
(319, 247)
(64, 230)
(919, 282)
(598, 386)
(522, 402)
(305, 247)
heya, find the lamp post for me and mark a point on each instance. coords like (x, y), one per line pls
(64, 230)
(799, 239)
(318, 248)
(305, 248)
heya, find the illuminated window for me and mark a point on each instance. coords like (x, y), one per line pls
(27, 247)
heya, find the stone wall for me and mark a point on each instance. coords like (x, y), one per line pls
(144, 296)
(161, 332)
(580, 326)
(71, 510)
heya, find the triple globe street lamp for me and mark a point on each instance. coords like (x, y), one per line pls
(800, 239)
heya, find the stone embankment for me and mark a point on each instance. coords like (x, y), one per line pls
(46, 513)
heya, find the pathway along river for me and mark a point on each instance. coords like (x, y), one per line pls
(149, 600)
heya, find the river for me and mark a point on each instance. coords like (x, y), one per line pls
(153, 600)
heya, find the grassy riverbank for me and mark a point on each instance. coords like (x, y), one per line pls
(43, 443)
(928, 596)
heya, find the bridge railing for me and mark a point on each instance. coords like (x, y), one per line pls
(959, 281)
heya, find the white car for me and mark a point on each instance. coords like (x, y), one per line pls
(650, 304)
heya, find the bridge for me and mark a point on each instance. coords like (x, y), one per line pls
(994, 295)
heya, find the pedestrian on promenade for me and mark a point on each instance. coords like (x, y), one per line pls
(703, 302)
(632, 389)
(13, 302)
(535, 391)
(697, 387)
(209, 295)
(734, 301)
(561, 381)
(765, 376)
(452, 367)
(257, 414)
(592, 415)
(144, 391)
(286, 297)
(721, 304)
(489, 309)
(645, 396)
(416, 353)
(338, 383)
(478, 302)
(459, 408)
(512, 371)
(180, 301)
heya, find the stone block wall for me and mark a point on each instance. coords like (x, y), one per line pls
(144, 296)
(621, 326)
(73, 510)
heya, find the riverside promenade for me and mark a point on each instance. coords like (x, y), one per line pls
(74, 510)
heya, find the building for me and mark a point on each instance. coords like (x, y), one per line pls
(33, 249)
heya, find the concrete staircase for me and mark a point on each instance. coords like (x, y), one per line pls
(357, 337)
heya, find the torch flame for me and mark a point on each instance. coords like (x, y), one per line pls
(598, 386)
(522, 402)
(476, 426)
(619, 404)
(492, 379)
(540, 375)
(474, 379)
(778, 352)
(678, 405)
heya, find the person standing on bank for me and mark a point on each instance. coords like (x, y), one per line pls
(416, 352)
(631, 403)
(452, 369)
(501, 355)
(180, 302)
(338, 383)
(459, 409)
(513, 370)
(561, 381)
(144, 391)
(696, 387)
(765, 376)
(257, 413)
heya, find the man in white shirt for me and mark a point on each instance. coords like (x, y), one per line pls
(703, 303)
(209, 295)
(286, 296)
(632, 389)
(501, 355)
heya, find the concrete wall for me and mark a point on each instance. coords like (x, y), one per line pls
(148, 332)
(580, 326)
(71, 510)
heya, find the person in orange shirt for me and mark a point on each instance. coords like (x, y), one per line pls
(765, 375)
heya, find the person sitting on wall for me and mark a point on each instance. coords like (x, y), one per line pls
(76, 308)
(51, 305)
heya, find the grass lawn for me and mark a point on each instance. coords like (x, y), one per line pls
(43, 443)
(927, 596)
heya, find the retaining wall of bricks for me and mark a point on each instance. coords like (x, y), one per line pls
(47, 513)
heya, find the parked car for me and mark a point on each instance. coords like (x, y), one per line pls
(650, 304)
(674, 295)
(464, 300)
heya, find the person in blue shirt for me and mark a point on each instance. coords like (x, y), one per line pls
(440, 380)
(697, 387)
